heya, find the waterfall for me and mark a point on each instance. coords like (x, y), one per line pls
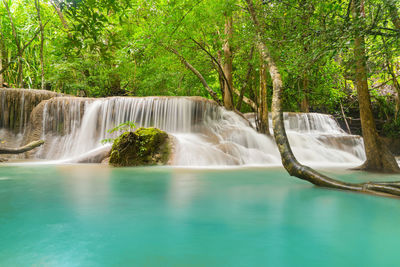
(205, 134)
(16, 106)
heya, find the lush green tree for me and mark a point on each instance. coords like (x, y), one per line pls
(207, 48)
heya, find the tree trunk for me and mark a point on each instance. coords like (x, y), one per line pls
(379, 158)
(394, 16)
(307, 11)
(21, 50)
(304, 106)
(20, 76)
(246, 80)
(1, 67)
(264, 120)
(289, 161)
(221, 74)
(3, 57)
(22, 149)
(37, 5)
(228, 98)
(246, 100)
(197, 73)
(17, 43)
(61, 17)
(390, 68)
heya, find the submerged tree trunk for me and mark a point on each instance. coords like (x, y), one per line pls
(379, 158)
(22, 149)
(228, 98)
(289, 161)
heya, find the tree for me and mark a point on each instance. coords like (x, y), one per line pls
(18, 44)
(263, 106)
(289, 161)
(379, 158)
(37, 6)
(228, 68)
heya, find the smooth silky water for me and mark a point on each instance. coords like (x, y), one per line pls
(54, 214)
(94, 215)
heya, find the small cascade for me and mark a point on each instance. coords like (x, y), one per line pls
(17, 104)
(205, 134)
(311, 123)
(315, 132)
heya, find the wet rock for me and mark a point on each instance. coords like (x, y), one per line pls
(145, 146)
(106, 161)
(96, 156)
(16, 106)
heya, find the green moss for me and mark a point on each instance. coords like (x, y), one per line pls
(145, 146)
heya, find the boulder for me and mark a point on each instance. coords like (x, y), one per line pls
(145, 146)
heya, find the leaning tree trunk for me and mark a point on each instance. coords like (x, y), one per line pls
(19, 150)
(289, 161)
(379, 158)
(195, 72)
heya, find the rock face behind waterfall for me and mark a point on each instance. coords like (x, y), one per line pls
(57, 116)
(17, 104)
(145, 146)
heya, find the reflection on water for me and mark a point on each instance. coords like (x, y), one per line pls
(183, 187)
(98, 216)
(85, 186)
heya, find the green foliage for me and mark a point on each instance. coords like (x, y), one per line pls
(117, 47)
(124, 127)
(392, 128)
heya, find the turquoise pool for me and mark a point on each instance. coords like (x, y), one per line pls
(91, 215)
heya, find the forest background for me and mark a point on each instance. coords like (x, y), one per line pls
(208, 48)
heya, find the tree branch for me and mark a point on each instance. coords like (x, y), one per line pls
(196, 72)
(22, 149)
(215, 61)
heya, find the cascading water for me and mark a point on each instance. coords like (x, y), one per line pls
(16, 106)
(205, 134)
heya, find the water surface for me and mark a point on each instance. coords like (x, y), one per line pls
(90, 215)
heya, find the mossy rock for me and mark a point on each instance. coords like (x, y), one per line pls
(145, 146)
